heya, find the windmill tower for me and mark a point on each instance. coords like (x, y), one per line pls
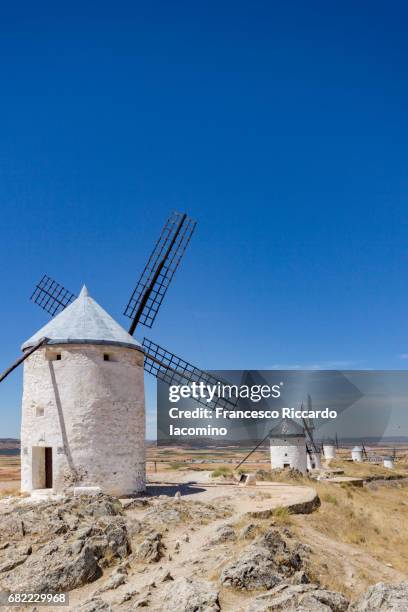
(83, 380)
(357, 454)
(288, 446)
(388, 462)
(83, 415)
(329, 449)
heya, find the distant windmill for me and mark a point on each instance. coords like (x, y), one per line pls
(287, 446)
(305, 441)
(142, 308)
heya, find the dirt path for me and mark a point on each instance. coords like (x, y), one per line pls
(201, 487)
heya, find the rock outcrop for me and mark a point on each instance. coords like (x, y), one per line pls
(295, 598)
(264, 564)
(169, 511)
(96, 604)
(57, 546)
(61, 545)
(383, 598)
(223, 534)
(151, 549)
(184, 595)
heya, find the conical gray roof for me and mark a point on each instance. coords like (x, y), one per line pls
(287, 429)
(84, 322)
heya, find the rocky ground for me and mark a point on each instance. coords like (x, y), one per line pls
(191, 555)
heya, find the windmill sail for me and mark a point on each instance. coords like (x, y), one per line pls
(51, 296)
(309, 420)
(310, 435)
(252, 451)
(309, 426)
(156, 277)
(173, 370)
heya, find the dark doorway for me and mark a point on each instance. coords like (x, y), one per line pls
(48, 468)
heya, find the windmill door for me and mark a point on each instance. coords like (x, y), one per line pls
(48, 468)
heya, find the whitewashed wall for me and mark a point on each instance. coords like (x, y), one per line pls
(329, 451)
(291, 450)
(357, 455)
(94, 417)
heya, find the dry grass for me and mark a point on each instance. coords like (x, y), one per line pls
(204, 458)
(177, 465)
(370, 470)
(12, 492)
(329, 578)
(9, 468)
(221, 471)
(372, 518)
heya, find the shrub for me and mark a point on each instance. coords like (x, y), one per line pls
(282, 515)
(176, 465)
(221, 471)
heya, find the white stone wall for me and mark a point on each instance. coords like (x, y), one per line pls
(329, 451)
(290, 451)
(357, 455)
(94, 417)
(389, 463)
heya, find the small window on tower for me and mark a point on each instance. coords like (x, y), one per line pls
(106, 357)
(51, 355)
(39, 411)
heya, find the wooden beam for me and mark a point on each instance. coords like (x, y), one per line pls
(23, 358)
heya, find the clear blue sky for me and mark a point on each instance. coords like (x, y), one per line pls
(281, 127)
